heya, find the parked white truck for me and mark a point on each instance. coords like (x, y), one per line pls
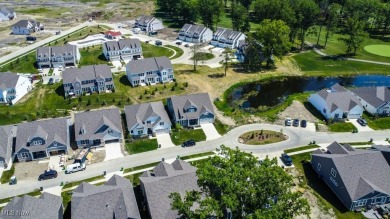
(75, 167)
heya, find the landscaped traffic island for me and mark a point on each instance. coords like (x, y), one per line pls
(260, 137)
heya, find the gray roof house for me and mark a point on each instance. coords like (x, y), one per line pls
(13, 87)
(227, 38)
(57, 56)
(87, 79)
(149, 71)
(47, 206)
(375, 100)
(7, 134)
(7, 14)
(114, 199)
(123, 49)
(148, 23)
(337, 103)
(195, 33)
(385, 149)
(358, 177)
(191, 110)
(98, 127)
(164, 179)
(26, 27)
(147, 119)
(39, 139)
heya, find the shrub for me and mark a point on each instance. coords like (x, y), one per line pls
(88, 102)
(173, 88)
(185, 84)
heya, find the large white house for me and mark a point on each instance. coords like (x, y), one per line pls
(149, 71)
(149, 24)
(375, 100)
(124, 49)
(26, 27)
(13, 87)
(56, 56)
(337, 103)
(7, 14)
(227, 38)
(195, 33)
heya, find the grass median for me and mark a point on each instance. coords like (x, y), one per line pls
(141, 145)
(76, 183)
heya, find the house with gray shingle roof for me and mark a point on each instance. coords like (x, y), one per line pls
(191, 110)
(57, 56)
(98, 127)
(39, 139)
(226, 38)
(148, 23)
(7, 14)
(147, 119)
(13, 87)
(7, 135)
(114, 199)
(358, 177)
(195, 33)
(149, 71)
(26, 27)
(87, 79)
(375, 100)
(47, 206)
(164, 179)
(337, 103)
(385, 149)
(123, 49)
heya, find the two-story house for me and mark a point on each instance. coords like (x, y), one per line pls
(375, 100)
(7, 14)
(226, 38)
(149, 71)
(148, 24)
(57, 56)
(98, 128)
(13, 87)
(40, 139)
(191, 110)
(87, 79)
(195, 33)
(124, 49)
(26, 27)
(147, 119)
(7, 135)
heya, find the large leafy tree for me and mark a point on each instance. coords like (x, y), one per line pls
(253, 55)
(355, 35)
(210, 12)
(306, 13)
(274, 36)
(240, 17)
(187, 10)
(240, 184)
(167, 6)
(331, 21)
(274, 10)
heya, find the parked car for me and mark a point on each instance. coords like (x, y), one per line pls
(75, 167)
(188, 143)
(187, 45)
(362, 122)
(303, 123)
(31, 38)
(158, 43)
(288, 122)
(296, 122)
(178, 43)
(40, 70)
(50, 174)
(286, 159)
(51, 81)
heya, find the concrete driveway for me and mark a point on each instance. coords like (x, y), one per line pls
(360, 127)
(113, 151)
(210, 131)
(164, 139)
(116, 63)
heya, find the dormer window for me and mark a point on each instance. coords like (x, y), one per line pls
(39, 142)
(82, 131)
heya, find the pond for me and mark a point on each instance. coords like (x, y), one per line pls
(273, 92)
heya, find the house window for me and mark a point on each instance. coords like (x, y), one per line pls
(360, 203)
(324, 110)
(161, 123)
(24, 155)
(39, 142)
(140, 132)
(148, 122)
(55, 144)
(319, 167)
(333, 172)
(110, 131)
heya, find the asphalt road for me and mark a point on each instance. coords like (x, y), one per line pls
(297, 137)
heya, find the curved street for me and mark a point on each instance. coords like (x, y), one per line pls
(297, 137)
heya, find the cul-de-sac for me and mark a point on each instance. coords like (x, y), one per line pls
(195, 109)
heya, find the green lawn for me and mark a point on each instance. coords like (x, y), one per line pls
(220, 127)
(301, 148)
(179, 52)
(66, 198)
(203, 56)
(197, 155)
(92, 56)
(315, 65)
(150, 50)
(325, 196)
(141, 145)
(6, 176)
(358, 143)
(380, 50)
(341, 127)
(180, 136)
(76, 183)
(377, 124)
(128, 170)
(134, 178)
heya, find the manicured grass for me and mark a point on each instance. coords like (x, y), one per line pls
(180, 136)
(203, 56)
(199, 163)
(128, 170)
(134, 178)
(76, 183)
(6, 176)
(380, 50)
(325, 196)
(379, 123)
(313, 64)
(341, 127)
(179, 52)
(33, 193)
(358, 143)
(197, 155)
(92, 56)
(301, 148)
(66, 198)
(220, 127)
(260, 137)
(150, 50)
(141, 145)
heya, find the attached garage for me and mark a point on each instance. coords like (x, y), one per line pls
(111, 141)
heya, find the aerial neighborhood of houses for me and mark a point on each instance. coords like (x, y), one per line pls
(113, 119)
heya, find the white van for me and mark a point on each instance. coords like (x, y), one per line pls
(75, 167)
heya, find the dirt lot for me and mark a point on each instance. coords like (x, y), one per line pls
(296, 111)
(29, 170)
